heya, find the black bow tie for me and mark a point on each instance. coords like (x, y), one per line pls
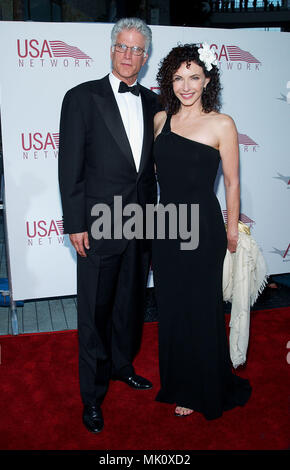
(123, 88)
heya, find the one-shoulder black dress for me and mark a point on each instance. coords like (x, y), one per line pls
(195, 366)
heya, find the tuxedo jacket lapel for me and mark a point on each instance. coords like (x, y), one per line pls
(109, 110)
(147, 130)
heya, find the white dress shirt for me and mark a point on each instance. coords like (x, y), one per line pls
(130, 107)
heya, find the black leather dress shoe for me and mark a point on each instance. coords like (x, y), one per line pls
(93, 418)
(136, 381)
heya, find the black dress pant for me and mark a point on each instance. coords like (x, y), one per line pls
(111, 293)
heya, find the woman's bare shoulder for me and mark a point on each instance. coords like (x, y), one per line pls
(159, 121)
(223, 124)
(224, 119)
(159, 118)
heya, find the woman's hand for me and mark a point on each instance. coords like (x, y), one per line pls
(232, 241)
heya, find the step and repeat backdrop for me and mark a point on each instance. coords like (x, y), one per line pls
(41, 61)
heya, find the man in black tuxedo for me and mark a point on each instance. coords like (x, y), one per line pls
(106, 137)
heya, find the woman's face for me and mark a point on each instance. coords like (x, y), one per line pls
(188, 83)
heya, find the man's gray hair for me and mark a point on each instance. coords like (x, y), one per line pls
(132, 23)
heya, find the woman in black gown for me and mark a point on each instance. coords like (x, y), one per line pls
(191, 139)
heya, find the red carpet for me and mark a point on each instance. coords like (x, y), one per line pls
(41, 408)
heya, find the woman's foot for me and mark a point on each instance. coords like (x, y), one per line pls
(181, 411)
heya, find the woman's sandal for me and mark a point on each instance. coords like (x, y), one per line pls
(182, 415)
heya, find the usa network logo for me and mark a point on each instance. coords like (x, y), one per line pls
(33, 53)
(44, 232)
(233, 57)
(247, 143)
(39, 145)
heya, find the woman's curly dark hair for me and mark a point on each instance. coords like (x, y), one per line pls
(210, 99)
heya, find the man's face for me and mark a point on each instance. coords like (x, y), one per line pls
(126, 65)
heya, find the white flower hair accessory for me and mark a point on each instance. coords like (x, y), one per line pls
(207, 56)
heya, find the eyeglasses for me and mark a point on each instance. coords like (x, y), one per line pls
(123, 48)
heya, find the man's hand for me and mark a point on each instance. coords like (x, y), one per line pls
(80, 241)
